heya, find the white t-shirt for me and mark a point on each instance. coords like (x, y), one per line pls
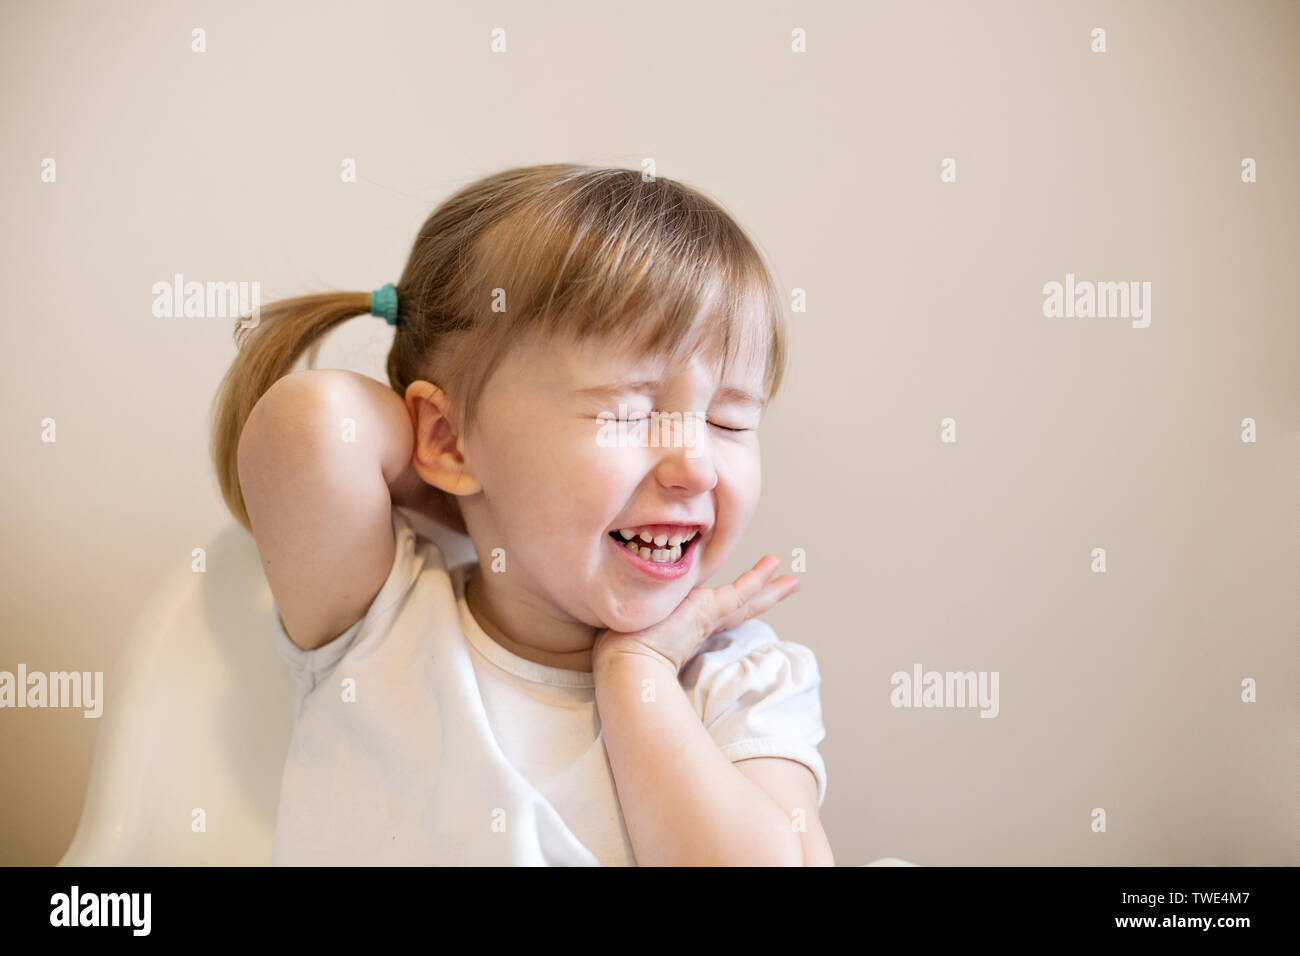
(419, 740)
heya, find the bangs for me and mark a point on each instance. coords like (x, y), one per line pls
(676, 317)
(651, 269)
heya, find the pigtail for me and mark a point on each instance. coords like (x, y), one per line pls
(267, 352)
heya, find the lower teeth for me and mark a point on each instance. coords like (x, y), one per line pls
(657, 555)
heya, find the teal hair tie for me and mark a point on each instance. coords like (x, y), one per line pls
(383, 303)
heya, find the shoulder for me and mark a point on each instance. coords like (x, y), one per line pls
(753, 653)
(750, 667)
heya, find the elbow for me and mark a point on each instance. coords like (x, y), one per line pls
(817, 853)
(794, 852)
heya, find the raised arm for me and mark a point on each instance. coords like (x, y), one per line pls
(317, 457)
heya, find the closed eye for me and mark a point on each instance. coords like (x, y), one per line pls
(725, 428)
(635, 417)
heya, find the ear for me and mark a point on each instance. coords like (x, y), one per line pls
(438, 456)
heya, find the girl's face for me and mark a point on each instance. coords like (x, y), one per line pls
(553, 490)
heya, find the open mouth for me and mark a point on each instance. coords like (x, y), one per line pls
(666, 553)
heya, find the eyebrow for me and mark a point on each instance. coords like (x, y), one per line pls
(728, 393)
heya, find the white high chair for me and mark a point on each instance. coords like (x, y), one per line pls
(197, 717)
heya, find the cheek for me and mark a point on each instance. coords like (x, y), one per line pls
(606, 470)
(737, 493)
(579, 485)
(739, 473)
(534, 478)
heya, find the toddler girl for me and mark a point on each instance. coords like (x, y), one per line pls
(580, 362)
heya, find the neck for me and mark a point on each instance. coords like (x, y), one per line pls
(496, 614)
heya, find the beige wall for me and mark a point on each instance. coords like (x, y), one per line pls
(1119, 690)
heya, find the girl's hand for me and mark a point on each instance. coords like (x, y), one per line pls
(701, 614)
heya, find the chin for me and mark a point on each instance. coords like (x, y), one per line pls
(648, 616)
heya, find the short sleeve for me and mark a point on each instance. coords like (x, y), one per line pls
(309, 667)
(759, 696)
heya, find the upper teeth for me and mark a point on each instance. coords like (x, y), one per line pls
(668, 547)
(660, 539)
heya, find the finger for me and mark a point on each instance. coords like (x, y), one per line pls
(765, 600)
(710, 608)
(728, 598)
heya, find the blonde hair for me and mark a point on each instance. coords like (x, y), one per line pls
(579, 252)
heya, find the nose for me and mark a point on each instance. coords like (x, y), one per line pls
(686, 463)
